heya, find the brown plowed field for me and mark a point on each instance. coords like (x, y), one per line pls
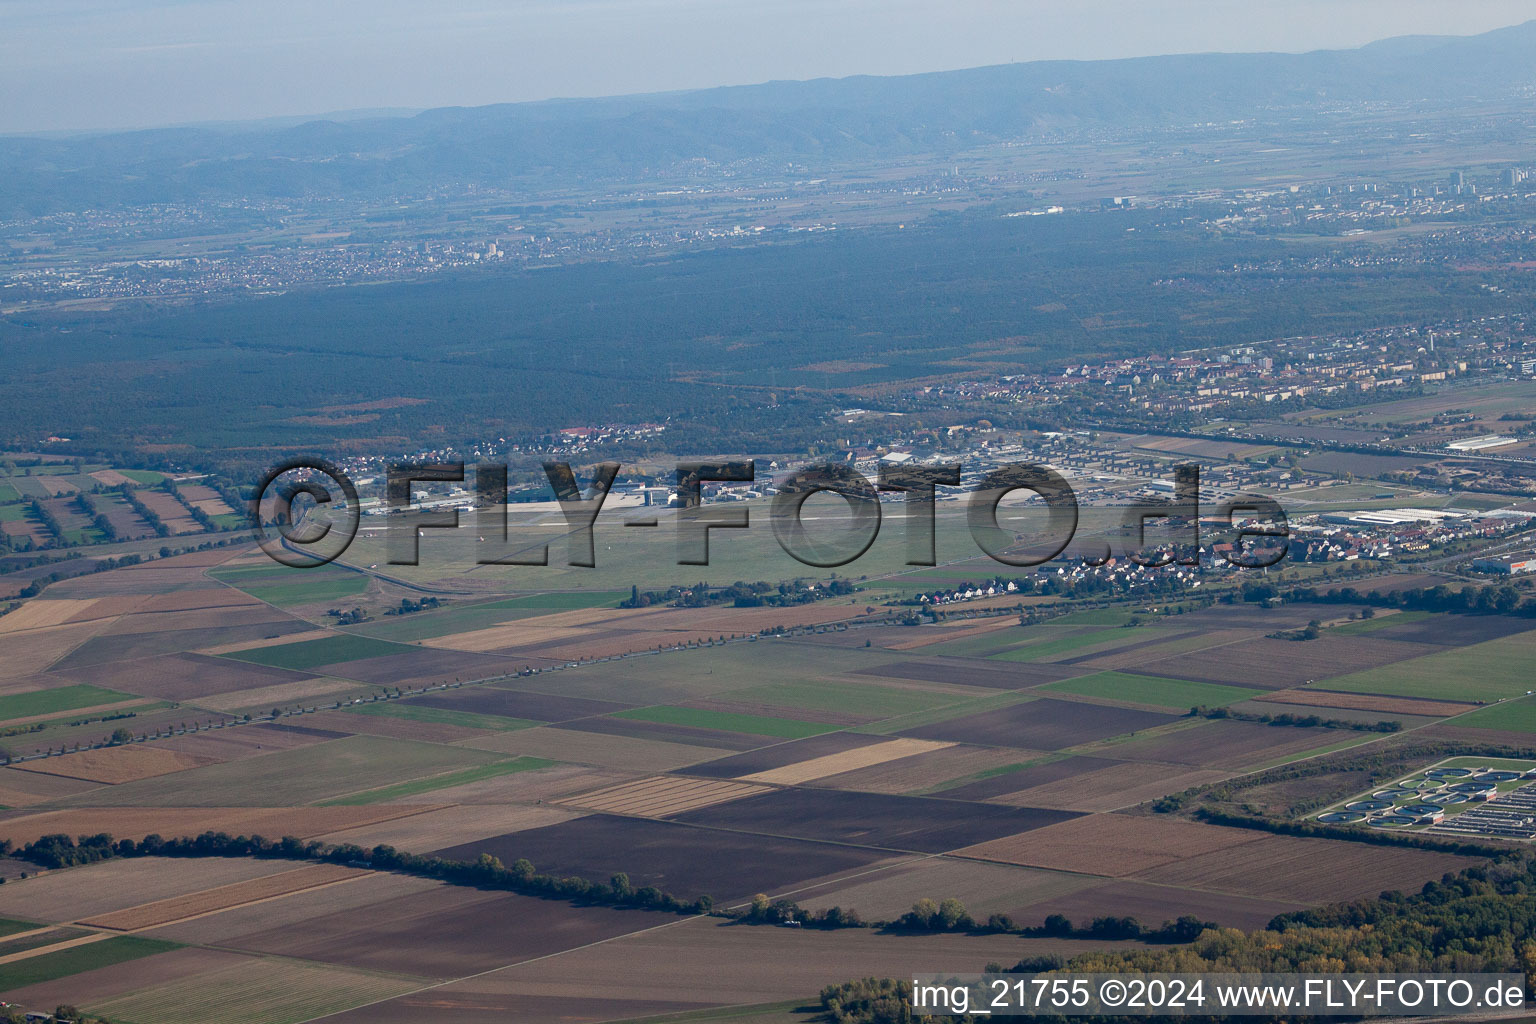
(185, 622)
(1121, 785)
(179, 908)
(112, 765)
(24, 789)
(189, 600)
(182, 677)
(281, 695)
(1111, 844)
(1045, 724)
(917, 824)
(449, 932)
(1307, 870)
(661, 796)
(678, 859)
(1227, 744)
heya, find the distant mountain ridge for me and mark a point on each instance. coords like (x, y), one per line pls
(812, 121)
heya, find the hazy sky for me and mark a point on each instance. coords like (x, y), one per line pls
(130, 63)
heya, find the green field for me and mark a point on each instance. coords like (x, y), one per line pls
(57, 701)
(457, 778)
(290, 778)
(439, 716)
(1360, 626)
(49, 966)
(1166, 693)
(1096, 617)
(1489, 671)
(287, 594)
(981, 645)
(8, 494)
(10, 927)
(281, 585)
(851, 698)
(310, 653)
(1511, 716)
(143, 477)
(725, 721)
(1075, 642)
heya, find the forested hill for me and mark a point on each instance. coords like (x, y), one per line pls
(814, 122)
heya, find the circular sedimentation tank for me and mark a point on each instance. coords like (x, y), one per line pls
(1446, 799)
(1394, 821)
(1340, 817)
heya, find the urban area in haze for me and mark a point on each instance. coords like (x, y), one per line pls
(826, 550)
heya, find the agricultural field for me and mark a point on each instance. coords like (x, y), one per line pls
(1010, 767)
(1154, 690)
(1480, 673)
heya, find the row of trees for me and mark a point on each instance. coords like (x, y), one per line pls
(1473, 600)
(1286, 718)
(60, 851)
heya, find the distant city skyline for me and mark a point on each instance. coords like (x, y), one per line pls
(113, 64)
